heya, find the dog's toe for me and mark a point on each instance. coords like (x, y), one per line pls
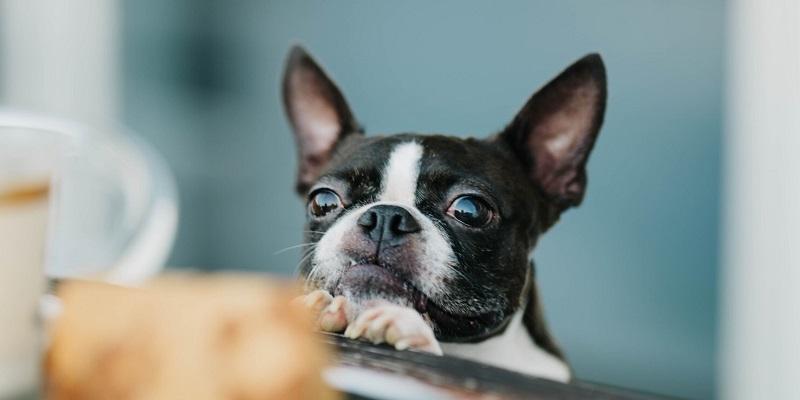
(333, 317)
(325, 310)
(314, 301)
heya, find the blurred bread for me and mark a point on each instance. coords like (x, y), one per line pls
(183, 338)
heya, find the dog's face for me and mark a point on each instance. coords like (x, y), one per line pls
(441, 224)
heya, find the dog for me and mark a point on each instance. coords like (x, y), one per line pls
(423, 241)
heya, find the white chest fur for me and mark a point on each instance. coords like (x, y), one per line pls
(514, 349)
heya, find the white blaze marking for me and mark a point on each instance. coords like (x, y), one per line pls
(401, 173)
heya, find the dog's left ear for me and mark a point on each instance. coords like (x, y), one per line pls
(554, 132)
(318, 113)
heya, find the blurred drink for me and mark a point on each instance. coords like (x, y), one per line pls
(23, 229)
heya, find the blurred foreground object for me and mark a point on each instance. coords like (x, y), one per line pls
(184, 337)
(74, 202)
(760, 314)
(23, 225)
(114, 208)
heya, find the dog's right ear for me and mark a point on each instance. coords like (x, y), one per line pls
(318, 113)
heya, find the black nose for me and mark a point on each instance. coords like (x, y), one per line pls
(388, 224)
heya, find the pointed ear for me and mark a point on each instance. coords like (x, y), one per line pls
(554, 132)
(318, 113)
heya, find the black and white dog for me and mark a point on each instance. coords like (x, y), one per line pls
(423, 241)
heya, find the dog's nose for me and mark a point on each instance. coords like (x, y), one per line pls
(387, 223)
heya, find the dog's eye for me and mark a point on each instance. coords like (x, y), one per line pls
(324, 201)
(471, 211)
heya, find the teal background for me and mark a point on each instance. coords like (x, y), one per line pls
(629, 279)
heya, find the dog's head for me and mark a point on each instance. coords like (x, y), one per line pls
(438, 223)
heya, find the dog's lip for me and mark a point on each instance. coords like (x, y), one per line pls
(417, 297)
(421, 301)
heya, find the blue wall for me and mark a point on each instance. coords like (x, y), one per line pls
(629, 279)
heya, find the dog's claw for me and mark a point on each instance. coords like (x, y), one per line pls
(398, 326)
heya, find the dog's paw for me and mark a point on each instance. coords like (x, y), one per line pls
(327, 311)
(401, 327)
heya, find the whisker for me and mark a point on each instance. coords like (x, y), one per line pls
(293, 247)
(310, 278)
(315, 268)
(303, 259)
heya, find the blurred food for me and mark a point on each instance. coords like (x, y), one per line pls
(180, 337)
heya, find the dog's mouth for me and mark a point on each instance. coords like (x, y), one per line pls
(371, 280)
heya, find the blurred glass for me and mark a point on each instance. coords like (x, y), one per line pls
(73, 203)
(26, 161)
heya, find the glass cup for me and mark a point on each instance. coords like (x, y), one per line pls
(74, 203)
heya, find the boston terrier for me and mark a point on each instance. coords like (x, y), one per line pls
(423, 241)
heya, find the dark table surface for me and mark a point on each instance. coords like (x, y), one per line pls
(391, 374)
